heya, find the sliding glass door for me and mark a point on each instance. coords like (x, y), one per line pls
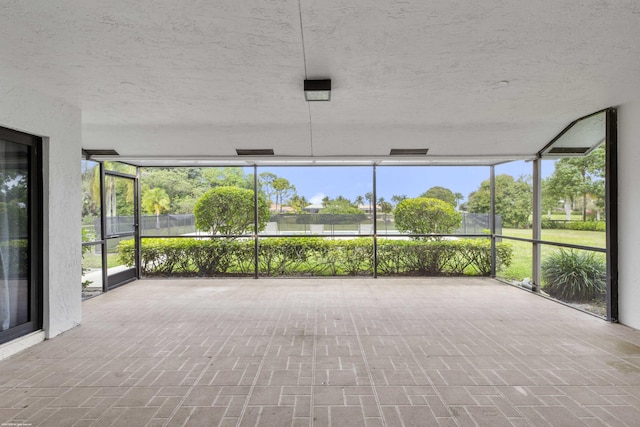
(20, 235)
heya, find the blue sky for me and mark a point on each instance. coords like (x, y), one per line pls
(350, 182)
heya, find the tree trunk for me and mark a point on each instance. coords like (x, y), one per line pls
(584, 207)
(567, 209)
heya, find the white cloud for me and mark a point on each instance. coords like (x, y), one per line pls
(317, 198)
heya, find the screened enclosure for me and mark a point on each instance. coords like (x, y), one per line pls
(544, 223)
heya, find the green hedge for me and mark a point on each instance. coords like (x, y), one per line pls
(315, 257)
(574, 225)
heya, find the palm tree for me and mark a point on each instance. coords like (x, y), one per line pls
(155, 201)
(369, 197)
(359, 201)
(298, 203)
(459, 197)
(397, 198)
(282, 188)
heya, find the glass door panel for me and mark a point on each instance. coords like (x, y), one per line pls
(121, 227)
(19, 216)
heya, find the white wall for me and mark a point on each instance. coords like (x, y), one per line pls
(27, 111)
(629, 213)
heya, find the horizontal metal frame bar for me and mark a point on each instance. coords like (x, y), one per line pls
(281, 161)
(117, 236)
(119, 174)
(260, 236)
(546, 242)
(93, 243)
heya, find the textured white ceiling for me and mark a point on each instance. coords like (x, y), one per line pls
(189, 78)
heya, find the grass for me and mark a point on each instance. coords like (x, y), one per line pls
(91, 260)
(521, 265)
(597, 239)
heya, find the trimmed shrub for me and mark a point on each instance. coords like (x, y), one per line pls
(230, 210)
(444, 257)
(289, 256)
(352, 257)
(574, 225)
(426, 216)
(314, 256)
(190, 257)
(572, 275)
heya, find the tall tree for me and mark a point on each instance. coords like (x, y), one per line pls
(266, 184)
(513, 200)
(283, 188)
(441, 193)
(228, 177)
(397, 198)
(298, 203)
(183, 185)
(385, 207)
(369, 197)
(155, 201)
(340, 206)
(549, 200)
(359, 201)
(459, 197)
(575, 177)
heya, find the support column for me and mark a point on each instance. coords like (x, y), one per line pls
(492, 218)
(375, 225)
(611, 203)
(256, 272)
(103, 227)
(137, 220)
(537, 223)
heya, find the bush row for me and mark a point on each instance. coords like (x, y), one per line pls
(574, 225)
(314, 256)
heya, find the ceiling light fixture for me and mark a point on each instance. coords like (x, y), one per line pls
(317, 90)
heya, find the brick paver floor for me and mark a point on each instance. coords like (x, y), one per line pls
(339, 352)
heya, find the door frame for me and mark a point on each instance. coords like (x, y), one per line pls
(35, 196)
(112, 281)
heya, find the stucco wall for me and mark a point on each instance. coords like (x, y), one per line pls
(629, 215)
(25, 110)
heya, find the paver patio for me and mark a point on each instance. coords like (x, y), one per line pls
(340, 352)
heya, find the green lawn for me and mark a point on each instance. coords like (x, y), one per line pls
(93, 260)
(522, 251)
(596, 239)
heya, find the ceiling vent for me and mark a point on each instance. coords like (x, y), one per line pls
(254, 152)
(90, 153)
(408, 152)
(580, 138)
(569, 150)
